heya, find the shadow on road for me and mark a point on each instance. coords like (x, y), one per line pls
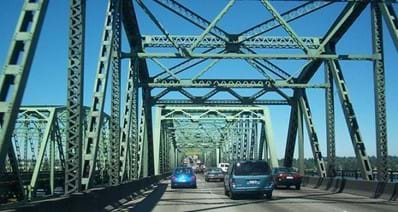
(152, 199)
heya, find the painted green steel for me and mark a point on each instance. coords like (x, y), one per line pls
(16, 69)
(75, 96)
(98, 99)
(43, 145)
(351, 121)
(390, 18)
(115, 95)
(300, 140)
(312, 135)
(380, 95)
(330, 123)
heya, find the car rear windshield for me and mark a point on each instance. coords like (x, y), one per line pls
(251, 168)
(285, 170)
(215, 170)
(183, 171)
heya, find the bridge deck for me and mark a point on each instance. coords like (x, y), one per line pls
(209, 196)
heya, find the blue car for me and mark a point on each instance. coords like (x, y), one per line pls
(183, 177)
(249, 177)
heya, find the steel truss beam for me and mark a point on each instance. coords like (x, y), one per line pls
(115, 96)
(330, 123)
(391, 19)
(251, 56)
(16, 69)
(159, 41)
(96, 112)
(49, 126)
(313, 137)
(75, 97)
(231, 83)
(380, 96)
(351, 120)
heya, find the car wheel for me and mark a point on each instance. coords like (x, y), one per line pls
(269, 195)
(173, 187)
(298, 186)
(195, 186)
(225, 191)
(232, 195)
(207, 180)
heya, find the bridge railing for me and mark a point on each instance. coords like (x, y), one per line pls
(355, 174)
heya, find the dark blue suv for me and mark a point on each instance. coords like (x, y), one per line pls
(249, 177)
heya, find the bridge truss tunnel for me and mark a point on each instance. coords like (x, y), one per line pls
(221, 114)
(221, 133)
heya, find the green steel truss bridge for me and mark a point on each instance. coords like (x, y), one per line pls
(170, 108)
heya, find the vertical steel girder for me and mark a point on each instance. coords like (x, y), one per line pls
(16, 69)
(379, 92)
(114, 171)
(142, 147)
(351, 120)
(291, 133)
(97, 105)
(391, 19)
(156, 140)
(313, 137)
(330, 123)
(129, 116)
(300, 139)
(269, 138)
(74, 134)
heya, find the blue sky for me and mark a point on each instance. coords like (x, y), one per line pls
(47, 81)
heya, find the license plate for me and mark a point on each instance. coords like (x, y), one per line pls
(289, 177)
(252, 182)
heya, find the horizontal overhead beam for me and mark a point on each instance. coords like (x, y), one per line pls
(253, 56)
(161, 41)
(218, 102)
(231, 83)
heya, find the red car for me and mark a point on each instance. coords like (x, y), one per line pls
(286, 177)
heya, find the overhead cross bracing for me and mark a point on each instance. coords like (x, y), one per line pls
(184, 55)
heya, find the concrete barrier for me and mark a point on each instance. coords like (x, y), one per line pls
(371, 189)
(312, 182)
(360, 187)
(96, 199)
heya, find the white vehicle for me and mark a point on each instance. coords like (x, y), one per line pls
(223, 166)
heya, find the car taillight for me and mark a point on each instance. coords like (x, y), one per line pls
(173, 178)
(232, 182)
(193, 177)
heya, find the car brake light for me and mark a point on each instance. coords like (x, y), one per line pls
(173, 178)
(232, 182)
(193, 177)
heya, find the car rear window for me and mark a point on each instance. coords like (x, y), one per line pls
(285, 170)
(215, 170)
(183, 171)
(252, 168)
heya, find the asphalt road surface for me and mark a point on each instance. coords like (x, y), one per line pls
(209, 196)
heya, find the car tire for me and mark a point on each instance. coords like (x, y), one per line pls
(225, 191)
(232, 195)
(268, 195)
(195, 186)
(207, 180)
(173, 187)
(298, 186)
